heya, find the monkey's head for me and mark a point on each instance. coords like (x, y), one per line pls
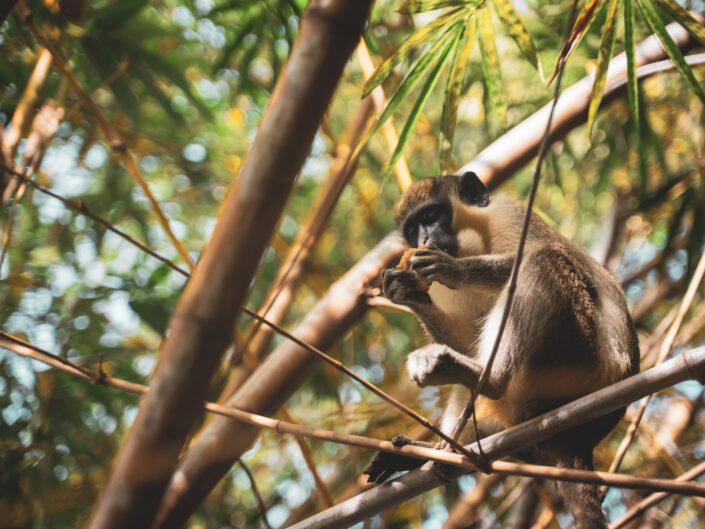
(427, 213)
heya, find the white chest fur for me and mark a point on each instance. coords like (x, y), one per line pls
(464, 309)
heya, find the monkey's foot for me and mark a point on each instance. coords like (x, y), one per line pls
(385, 464)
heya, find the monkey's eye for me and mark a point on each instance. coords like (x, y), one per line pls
(410, 235)
(429, 216)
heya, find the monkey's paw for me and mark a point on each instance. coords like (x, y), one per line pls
(385, 464)
(431, 265)
(432, 365)
(400, 287)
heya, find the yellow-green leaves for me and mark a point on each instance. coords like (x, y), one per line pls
(510, 18)
(426, 35)
(411, 7)
(453, 90)
(630, 50)
(603, 61)
(582, 22)
(490, 66)
(425, 93)
(656, 24)
(684, 18)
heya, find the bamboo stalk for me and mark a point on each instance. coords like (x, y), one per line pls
(654, 499)
(25, 107)
(202, 324)
(665, 350)
(680, 486)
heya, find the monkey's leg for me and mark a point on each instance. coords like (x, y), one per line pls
(491, 271)
(385, 464)
(437, 364)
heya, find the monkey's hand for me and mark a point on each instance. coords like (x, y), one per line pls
(437, 364)
(431, 265)
(400, 287)
(385, 464)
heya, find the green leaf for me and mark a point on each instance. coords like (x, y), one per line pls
(453, 90)
(581, 24)
(420, 103)
(657, 26)
(407, 85)
(603, 61)
(490, 66)
(515, 27)
(428, 34)
(684, 18)
(415, 75)
(630, 50)
(411, 7)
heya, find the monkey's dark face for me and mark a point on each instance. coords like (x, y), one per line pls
(430, 224)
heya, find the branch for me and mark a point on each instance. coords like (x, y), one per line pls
(675, 371)
(690, 364)
(276, 379)
(202, 325)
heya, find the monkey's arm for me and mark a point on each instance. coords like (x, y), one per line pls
(491, 271)
(437, 364)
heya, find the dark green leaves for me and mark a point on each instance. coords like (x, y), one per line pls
(656, 24)
(603, 60)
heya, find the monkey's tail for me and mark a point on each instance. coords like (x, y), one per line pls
(580, 294)
(582, 499)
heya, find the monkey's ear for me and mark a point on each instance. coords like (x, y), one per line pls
(472, 191)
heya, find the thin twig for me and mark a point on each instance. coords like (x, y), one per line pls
(543, 147)
(306, 453)
(653, 499)
(19, 346)
(255, 491)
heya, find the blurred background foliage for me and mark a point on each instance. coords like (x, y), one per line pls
(185, 83)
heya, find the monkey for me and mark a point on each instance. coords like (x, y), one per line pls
(568, 332)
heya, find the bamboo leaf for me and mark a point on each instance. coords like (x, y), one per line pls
(414, 76)
(630, 50)
(490, 66)
(411, 7)
(684, 18)
(428, 34)
(453, 90)
(656, 24)
(603, 61)
(420, 103)
(581, 24)
(515, 27)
